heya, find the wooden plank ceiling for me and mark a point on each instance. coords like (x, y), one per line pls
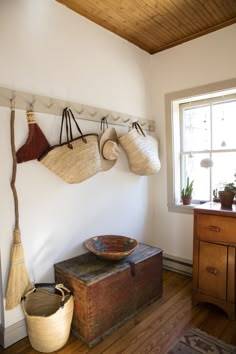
(155, 25)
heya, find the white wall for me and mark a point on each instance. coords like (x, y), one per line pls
(48, 49)
(205, 60)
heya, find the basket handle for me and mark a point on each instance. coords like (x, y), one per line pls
(137, 126)
(60, 287)
(104, 124)
(30, 291)
(68, 117)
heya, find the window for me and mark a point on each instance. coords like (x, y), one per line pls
(207, 136)
(201, 143)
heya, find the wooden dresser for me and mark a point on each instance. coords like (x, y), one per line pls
(214, 257)
(108, 293)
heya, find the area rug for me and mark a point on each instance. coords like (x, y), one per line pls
(197, 342)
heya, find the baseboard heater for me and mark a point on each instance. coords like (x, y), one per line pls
(177, 264)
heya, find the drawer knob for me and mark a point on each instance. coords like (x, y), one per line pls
(212, 270)
(214, 228)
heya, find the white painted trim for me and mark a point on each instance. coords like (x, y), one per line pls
(13, 334)
(177, 264)
(170, 113)
(180, 208)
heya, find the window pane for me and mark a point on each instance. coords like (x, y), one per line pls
(200, 175)
(207, 130)
(223, 169)
(224, 125)
(196, 129)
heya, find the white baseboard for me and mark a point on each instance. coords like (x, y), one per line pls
(177, 264)
(13, 333)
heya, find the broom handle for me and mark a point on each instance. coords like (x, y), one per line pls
(14, 167)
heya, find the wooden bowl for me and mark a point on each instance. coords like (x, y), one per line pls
(111, 247)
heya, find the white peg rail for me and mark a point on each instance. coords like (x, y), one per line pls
(43, 104)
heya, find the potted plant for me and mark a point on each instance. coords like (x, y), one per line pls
(186, 193)
(215, 195)
(227, 195)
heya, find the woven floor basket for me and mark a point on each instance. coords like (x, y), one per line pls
(48, 322)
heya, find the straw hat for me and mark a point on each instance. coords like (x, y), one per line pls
(109, 148)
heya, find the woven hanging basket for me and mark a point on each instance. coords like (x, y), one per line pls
(48, 317)
(77, 164)
(141, 151)
(76, 159)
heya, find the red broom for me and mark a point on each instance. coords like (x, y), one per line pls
(36, 143)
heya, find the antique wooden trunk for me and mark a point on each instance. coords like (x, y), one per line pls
(109, 293)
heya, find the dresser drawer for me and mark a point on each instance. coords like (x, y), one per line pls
(216, 228)
(214, 257)
(213, 269)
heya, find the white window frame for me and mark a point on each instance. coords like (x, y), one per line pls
(172, 112)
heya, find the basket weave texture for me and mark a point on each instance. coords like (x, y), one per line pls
(142, 153)
(48, 323)
(77, 164)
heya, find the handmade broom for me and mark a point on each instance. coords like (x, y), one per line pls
(18, 278)
(36, 143)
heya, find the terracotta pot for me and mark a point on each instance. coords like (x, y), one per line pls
(186, 200)
(226, 199)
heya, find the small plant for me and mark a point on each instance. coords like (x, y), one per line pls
(188, 190)
(227, 195)
(230, 187)
(215, 193)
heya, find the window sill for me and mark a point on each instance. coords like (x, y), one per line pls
(186, 209)
(180, 208)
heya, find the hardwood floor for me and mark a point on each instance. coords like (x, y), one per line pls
(156, 328)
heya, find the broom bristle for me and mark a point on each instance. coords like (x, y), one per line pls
(18, 279)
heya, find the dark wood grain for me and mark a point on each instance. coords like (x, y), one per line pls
(108, 293)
